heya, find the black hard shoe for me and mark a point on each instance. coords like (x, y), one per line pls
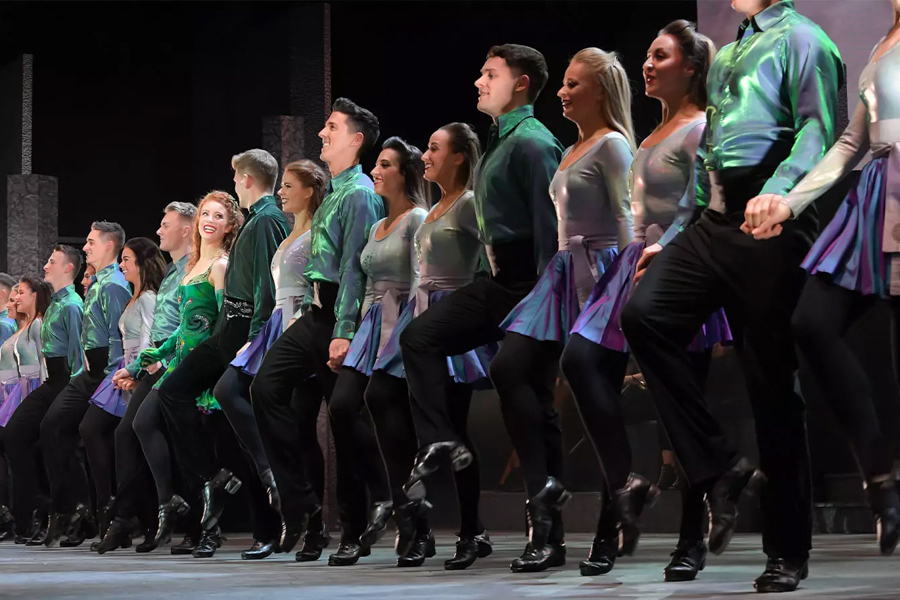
(723, 502)
(541, 510)
(688, 559)
(630, 501)
(40, 525)
(348, 554)
(210, 541)
(118, 535)
(268, 480)
(186, 546)
(60, 525)
(168, 515)
(669, 478)
(148, 545)
(408, 518)
(7, 524)
(421, 548)
(314, 542)
(885, 504)
(602, 557)
(260, 550)
(378, 522)
(213, 498)
(781, 576)
(533, 561)
(429, 460)
(105, 516)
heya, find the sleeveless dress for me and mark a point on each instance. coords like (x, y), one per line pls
(449, 254)
(291, 286)
(392, 276)
(594, 222)
(135, 325)
(28, 364)
(663, 197)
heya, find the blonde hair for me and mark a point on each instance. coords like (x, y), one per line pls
(610, 76)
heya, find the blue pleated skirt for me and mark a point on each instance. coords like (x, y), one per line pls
(849, 248)
(110, 398)
(599, 321)
(250, 359)
(12, 394)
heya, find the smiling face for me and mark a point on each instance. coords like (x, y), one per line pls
(441, 163)
(26, 301)
(97, 249)
(173, 231)
(10, 306)
(129, 266)
(295, 196)
(58, 269)
(339, 139)
(665, 73)
(386, 175)
(580, 93)
(213, 222)
(497, 87)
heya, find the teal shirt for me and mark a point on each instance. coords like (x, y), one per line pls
(7, 326)
(248, 276)
(512, 184)
(773, 97)
(61, 328)
(339, 232)
(106, 298)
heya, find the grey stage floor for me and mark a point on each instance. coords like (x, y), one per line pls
(841, 567)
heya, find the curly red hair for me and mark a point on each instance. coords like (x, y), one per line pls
(235, 219)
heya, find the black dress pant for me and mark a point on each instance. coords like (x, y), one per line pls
(524, 375)
(59, 436)
(98, 432)
(21, 440)
(297, 356)
(824, 314)
(710, 265)
(233, 394)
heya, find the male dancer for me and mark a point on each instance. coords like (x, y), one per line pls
(517, 221)
(7, 324)
(249, 300)
(316, 344)
(771, 117)
(64, 356)
(107, 297)
(133, 480)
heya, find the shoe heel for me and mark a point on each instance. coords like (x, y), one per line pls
(564, 498)
(416, 491)
(183, 509)
(757, 480)
(652, 497)
(702, 565)
(461, 458)
(233, 485)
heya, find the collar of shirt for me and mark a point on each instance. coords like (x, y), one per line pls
(105, 273)
(261, 204)
(179, 264)
(767, 18)
(62, 293)
(343, 177)
(508, 122)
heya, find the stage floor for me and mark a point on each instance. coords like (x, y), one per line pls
(842, 566)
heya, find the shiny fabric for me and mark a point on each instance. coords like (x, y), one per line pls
(773, 98)
(340, 230)
(12, 394)
(167, 316)
(291, 286)
(106, 299)
(21, 369)
(7, 326)
(512, 180)
(136, 326)
(61, 328)
(8, 362)
(247, 277)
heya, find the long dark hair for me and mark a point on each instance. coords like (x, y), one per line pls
(312, 176)
(411, 167)
(150, 261)
(464, 140)
(43, 290)
(697, 49)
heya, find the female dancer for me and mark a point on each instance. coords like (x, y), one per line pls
(590, 191)
(28, 302)
(144, 268)
(449, 254)
(392, 276)
(855, 263)
(215, 228)
(596, 356)
(302, 189)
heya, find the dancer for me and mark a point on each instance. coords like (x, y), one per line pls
(392, 276)
(63, 355)
(8, 325)
(449, 255)
(855, 264)
(317, 343)
(761, 140)
(106, 299)
(517, 222)
(595, 360)
(590, 192)
(143, 267)
(23, 372)
(134, 482)
(215, 228)
(302, 189)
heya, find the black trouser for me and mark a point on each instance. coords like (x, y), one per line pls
(524, 375)
(298, 355)
(134, 481)
(98, 431)
(364, 456)
(233, 394)
(824, 314)
(199, 371)
(4, 472)
(21, 439)
(389, 404)
(59, 436)
(713, 264)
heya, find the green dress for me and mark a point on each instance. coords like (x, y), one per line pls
(199, 308)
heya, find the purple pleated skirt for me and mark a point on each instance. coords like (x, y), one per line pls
(471, 367)
(599, 321)
(849, 248)
(12, 394)
(548, 312)
(250, 359)
(110, 398)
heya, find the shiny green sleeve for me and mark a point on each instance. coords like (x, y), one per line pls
(73, 317)
(268, 235)
(812, 79)
(538, 162)
(359, 213)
